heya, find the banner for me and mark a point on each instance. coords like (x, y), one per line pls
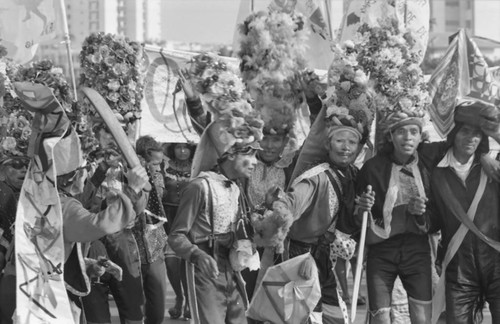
(26, 23)
(164, 114)
(462, 72)
(41, 294)
(411, 14)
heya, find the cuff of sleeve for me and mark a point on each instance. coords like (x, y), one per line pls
(132, 195)
(195, 254)
(195, 106)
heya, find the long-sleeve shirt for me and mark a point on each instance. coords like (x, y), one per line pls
(377, 173)
(81, 225)
(192, 223)
(314, 204)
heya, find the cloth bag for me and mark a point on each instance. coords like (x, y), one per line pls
(285, 297)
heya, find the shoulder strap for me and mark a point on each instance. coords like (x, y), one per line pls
(335, 185)
(210, 210)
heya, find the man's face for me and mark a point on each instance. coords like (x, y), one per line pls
(343, 148)
(15, 174)
(405, 140)
(272, 147)
(106, 140)
(243, 164)
(466, 141)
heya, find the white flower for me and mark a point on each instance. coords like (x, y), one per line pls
(349, 44)
(345, 85)
(360, 77)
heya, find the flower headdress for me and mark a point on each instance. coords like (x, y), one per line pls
(236, 126)
(16, 120)
(219, 86)
(114, 67)
(44, 72)
(349, 99)
(385, 52)
(272, 62)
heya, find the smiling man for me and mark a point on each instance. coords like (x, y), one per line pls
(399, 220)
(214, 214)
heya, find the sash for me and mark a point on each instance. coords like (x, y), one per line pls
(438, 302)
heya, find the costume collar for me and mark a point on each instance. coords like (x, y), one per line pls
(449, 160)
(413, 160)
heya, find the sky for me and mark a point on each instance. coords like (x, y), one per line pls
(206, 21)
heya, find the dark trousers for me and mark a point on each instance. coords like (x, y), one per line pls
(7, 298)
(407, 256)
(154, 279)
(473, 277)
(120, 248)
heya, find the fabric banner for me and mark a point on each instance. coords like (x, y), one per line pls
(164, 114)
(462, 73)
(40, 291)
(411, 14)
(25, 24)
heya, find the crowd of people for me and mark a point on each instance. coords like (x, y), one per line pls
(212, 217)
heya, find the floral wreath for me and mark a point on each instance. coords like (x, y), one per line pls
(218, 85)
(272, 52)
(224, 92)
(15, 119)
(349, 100)
(44, 72)
(113, 66)
(385, 53)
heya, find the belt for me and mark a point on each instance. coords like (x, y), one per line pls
(216, 245)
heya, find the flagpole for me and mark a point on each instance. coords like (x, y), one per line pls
(67, 40)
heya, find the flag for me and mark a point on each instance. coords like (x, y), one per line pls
(164, 113)
(25, 24)
(41, 295)
(462, 73)
(413, 15)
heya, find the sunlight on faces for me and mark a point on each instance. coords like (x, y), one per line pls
(343, 147)
(272, 147)
(243, 164)
(466, 142)
(182, 152)
(405, 140)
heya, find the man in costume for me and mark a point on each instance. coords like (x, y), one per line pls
(467, 209)
(399, 221)
(150, 234)
(214, 211)
(321, 194)
(120, 247)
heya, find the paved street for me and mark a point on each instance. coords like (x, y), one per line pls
(360, 317)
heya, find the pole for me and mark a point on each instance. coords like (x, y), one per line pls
(67, 40)
(359, 264)
(328, 8)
